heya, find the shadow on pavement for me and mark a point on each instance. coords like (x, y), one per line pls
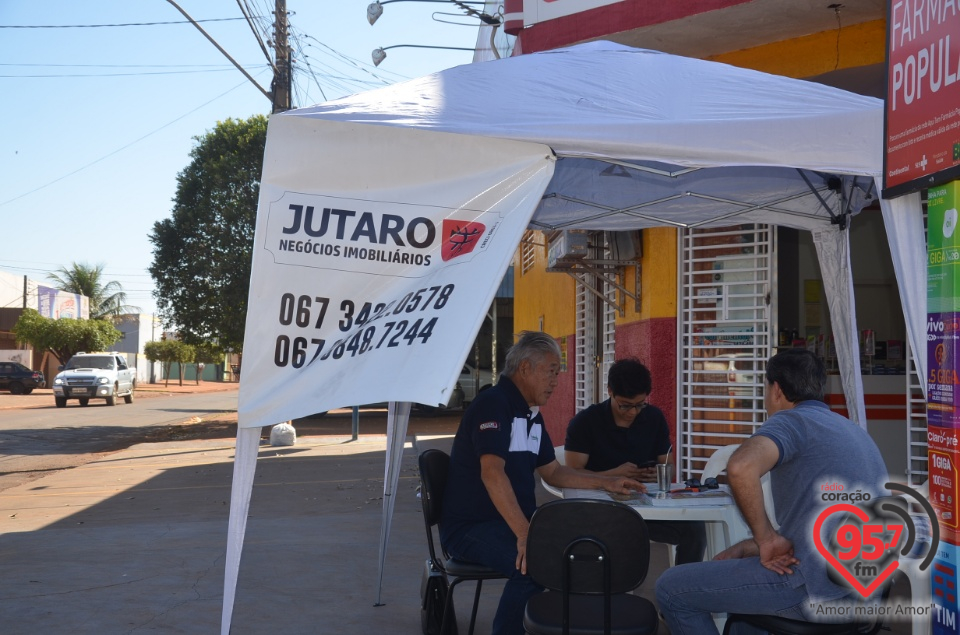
(140, 545)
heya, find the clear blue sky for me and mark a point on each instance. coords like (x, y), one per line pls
(98, 121)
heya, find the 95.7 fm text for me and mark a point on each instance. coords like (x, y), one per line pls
(301, 311)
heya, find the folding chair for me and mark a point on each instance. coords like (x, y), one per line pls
(588, 554)
(718, 463)
(434, 467)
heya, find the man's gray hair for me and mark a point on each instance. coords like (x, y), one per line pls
(532, 346)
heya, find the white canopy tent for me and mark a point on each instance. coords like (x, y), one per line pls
(597, 136)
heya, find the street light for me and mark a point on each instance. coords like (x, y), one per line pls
(380, 54)
(375, 9)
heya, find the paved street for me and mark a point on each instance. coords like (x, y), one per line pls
(36, 437)
(158, 409)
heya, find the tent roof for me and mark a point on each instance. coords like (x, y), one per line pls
(605, 100)
(700, 143)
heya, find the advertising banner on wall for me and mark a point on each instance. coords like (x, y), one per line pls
(943, 391)
(943, 481)
(55, 304)
(943, 306)
(943, 249)
(943, 394)
(922, 117)
(944, 591)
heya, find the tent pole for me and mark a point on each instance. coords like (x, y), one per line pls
(398, 416)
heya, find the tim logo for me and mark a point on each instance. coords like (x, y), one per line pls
(459, 238)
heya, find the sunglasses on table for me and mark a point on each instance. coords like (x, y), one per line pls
(694, 484)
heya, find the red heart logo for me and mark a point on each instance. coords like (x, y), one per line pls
(459, 238)
(864, 590)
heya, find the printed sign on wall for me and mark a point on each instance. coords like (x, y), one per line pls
(943, 394)
(922, 117)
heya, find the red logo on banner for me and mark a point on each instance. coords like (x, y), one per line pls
(460, 237)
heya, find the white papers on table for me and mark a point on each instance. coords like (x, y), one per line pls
(654, 499)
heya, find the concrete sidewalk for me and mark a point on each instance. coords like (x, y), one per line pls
(135, 543)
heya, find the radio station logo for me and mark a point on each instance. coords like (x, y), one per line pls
(872, 536)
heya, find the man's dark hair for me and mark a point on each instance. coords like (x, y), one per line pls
(628, 378)
(800, 373)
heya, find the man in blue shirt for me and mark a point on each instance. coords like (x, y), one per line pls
(500, 446)
(803, 445)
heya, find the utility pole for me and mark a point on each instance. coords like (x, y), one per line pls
(280, 88)
(280, 95)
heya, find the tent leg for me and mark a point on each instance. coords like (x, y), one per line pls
(398, 416)
(244, 468)
(833, 252)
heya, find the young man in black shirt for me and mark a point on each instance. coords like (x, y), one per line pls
(626, 436)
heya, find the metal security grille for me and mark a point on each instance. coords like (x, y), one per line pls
(917, 446)
(608, 339)
(724, 336)
(596, 330)
(586, 347)
(528, 250)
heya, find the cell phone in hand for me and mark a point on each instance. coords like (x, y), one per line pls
(648, 464)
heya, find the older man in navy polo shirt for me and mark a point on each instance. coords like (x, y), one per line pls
(501, 445)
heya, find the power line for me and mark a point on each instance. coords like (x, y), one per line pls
(100, 26)
(32, 64)
(245, 10)
(110, 272)
(4, 263)
(143, 74)
(351, 61)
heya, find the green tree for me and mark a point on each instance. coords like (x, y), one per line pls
(159, 351)
(106, 298)
(207, 353)
(202, 254)
(167, 352)
(64, 337)
(183, 354)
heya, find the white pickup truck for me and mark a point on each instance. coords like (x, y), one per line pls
(95, 376)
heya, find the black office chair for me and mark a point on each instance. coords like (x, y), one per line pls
(434, 467)
(867, 625)
(588, 554)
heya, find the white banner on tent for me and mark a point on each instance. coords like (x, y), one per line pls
(370, 285)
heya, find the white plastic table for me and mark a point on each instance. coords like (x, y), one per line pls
(725, 524)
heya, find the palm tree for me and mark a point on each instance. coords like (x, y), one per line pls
(106, 299)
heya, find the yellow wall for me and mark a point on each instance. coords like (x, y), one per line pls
(553, 295)
(538, 293)
(658, 277)
(859, 45)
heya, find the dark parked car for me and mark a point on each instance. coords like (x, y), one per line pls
(19, 379)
